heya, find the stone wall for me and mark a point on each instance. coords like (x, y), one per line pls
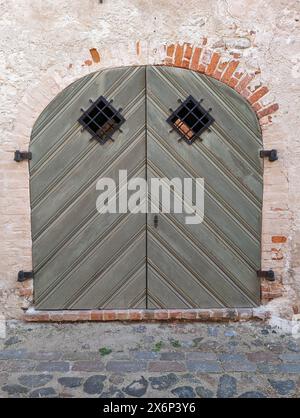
(252, 46)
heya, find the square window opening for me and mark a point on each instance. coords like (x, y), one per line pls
(190, 119)
(101, 120)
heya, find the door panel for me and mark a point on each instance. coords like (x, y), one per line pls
(74, 246)
(86, 260)
(220, 255)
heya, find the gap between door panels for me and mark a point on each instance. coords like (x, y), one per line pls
(146, 178)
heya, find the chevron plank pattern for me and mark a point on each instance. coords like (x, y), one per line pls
(212, 264)
(86, 260)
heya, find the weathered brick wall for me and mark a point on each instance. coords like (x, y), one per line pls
(252, 46)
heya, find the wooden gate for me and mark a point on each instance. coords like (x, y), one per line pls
(83, 259)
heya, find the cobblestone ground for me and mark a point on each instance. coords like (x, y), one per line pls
(148, 360)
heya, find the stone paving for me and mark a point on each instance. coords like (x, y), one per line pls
(151, 360)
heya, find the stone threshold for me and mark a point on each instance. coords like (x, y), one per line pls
(205, 315)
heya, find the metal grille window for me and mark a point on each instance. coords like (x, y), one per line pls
(190, 119)
(101, 119)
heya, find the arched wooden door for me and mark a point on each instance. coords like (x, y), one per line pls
(86, 260)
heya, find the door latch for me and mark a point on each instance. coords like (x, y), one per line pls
(25, 275)
(266, 274)
(272, 154)
(155, 221)
(22, 155)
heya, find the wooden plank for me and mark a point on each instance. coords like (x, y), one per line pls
(58, 286)
(171, 283)
(178, 84)
(223, 252)
(74, 246)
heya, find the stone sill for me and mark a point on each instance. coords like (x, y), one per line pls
(213, 315)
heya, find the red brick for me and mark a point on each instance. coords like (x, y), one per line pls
(36, 317)
(238, 75)
(163, 314)
(138, 48)
(109, 315)
(185, 63)
(221, 67)
(195, 59)
(279, 239)
(69, 316)
(268, 110)
(25, 292)
(56, 317)
(216, 314)
(175, 314)
(135, 315)
(213, 63)
(244, 82)
(123, 315)
(231, 67)
(201, 68)
(269, 291)
(170, 50)
(95, 55)
(97, 315)
(272, 295)
(217, 75)
(258, 94)
(178, 55)
(188, 52)
(189, 314)
(148, 315)
(256, 106)
(245, 93)
(204, 314)
(232, 82)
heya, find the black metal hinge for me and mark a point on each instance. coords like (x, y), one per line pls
(266, 274)
(22, 155)
(272, 154)
(25, 275)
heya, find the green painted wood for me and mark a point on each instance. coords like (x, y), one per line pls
(74, 246)
(221, 254)
(86, 260)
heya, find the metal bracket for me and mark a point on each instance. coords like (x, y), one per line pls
(266, 274)
(22, 155)
(25, 275)
(272, 154)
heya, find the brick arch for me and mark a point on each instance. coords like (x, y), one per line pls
(225, 69)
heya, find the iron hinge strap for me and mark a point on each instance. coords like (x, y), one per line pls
(25, 275)
(22, 155)
(271, 154)
(266, 274)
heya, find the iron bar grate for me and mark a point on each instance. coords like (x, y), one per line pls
(101, 119)
(190, 119)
